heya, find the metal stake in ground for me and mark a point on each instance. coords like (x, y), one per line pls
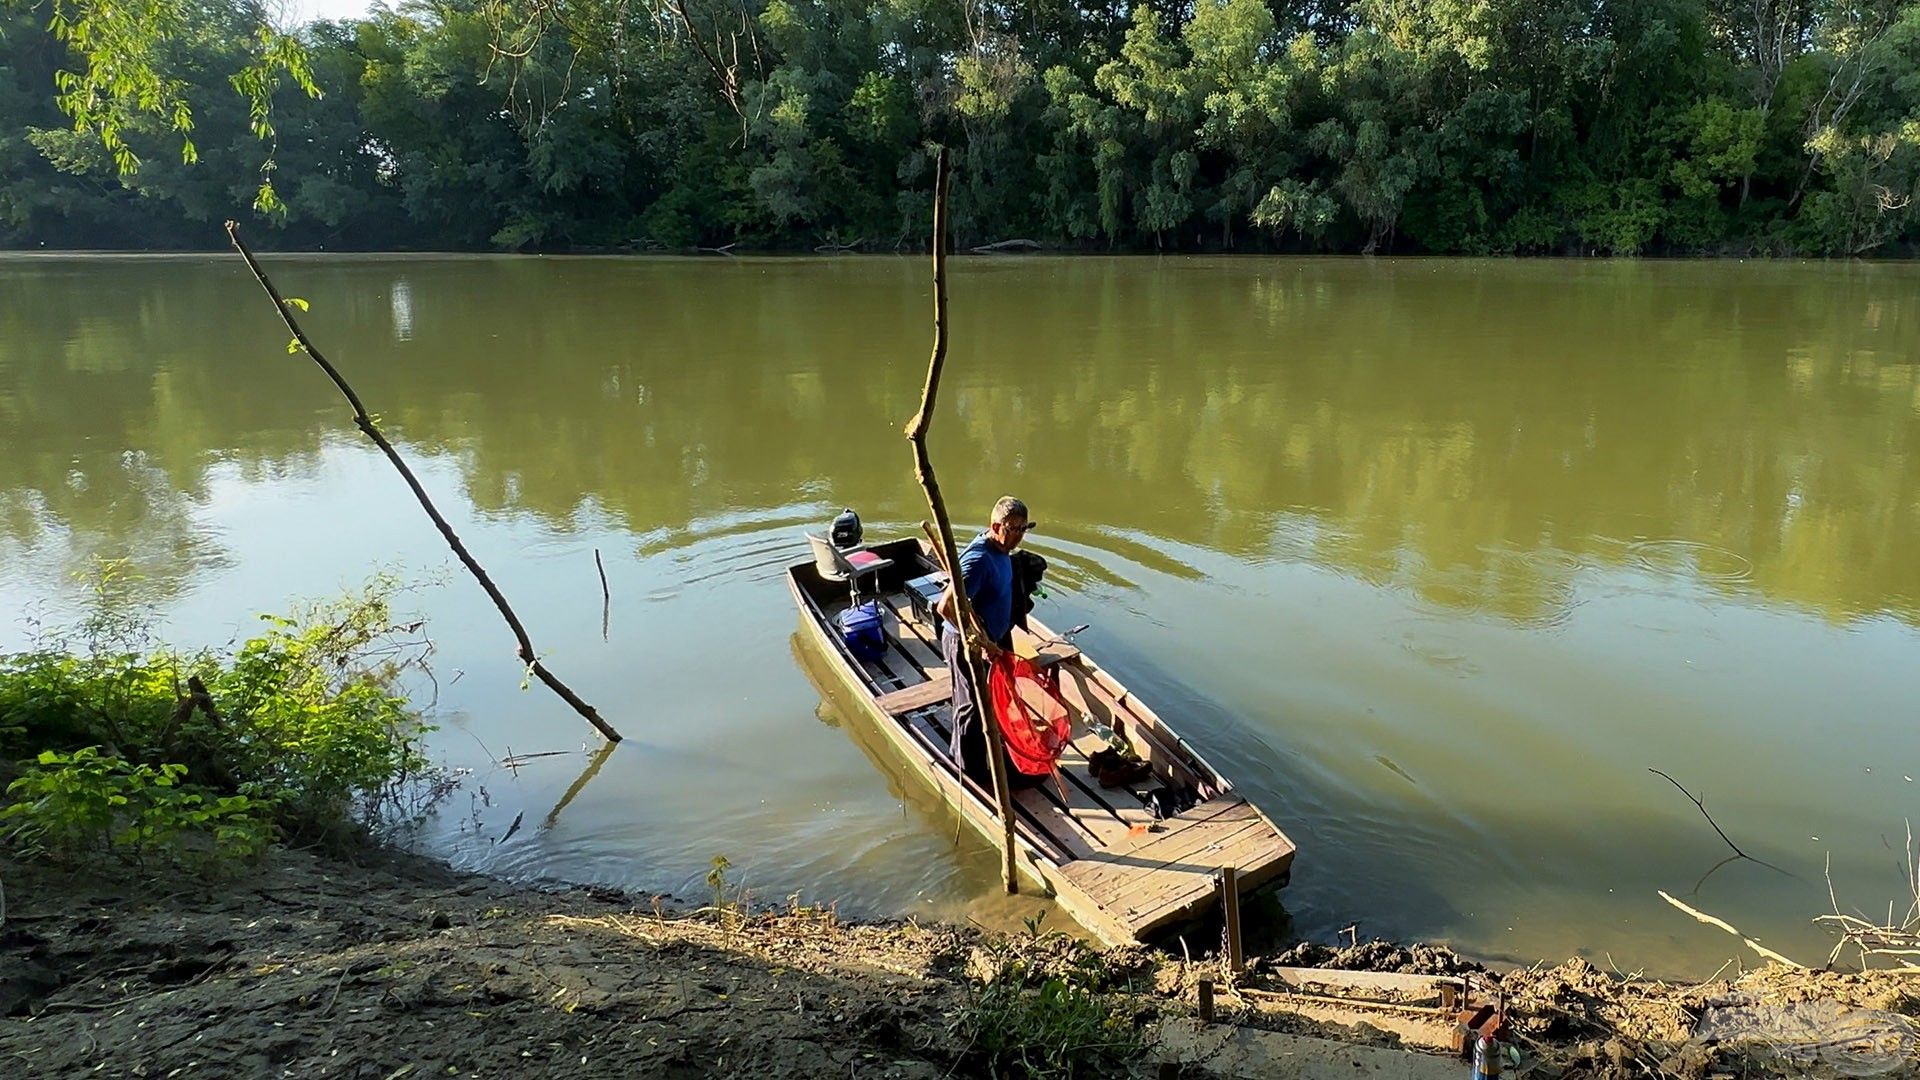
(365, 423)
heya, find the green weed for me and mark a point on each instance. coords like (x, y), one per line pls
(83, 802)
(729, 901)
(1048, 1008)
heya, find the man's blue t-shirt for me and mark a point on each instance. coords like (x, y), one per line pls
(988, 574)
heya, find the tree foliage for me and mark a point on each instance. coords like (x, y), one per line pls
(1470, 126)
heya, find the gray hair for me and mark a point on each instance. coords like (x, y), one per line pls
(1008, 508)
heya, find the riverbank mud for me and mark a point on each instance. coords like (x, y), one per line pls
(391, 966)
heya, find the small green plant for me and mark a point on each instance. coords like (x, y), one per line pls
(83, 804)
(1047, 1008)
(728, 905)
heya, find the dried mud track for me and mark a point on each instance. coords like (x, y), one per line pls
(312, 967)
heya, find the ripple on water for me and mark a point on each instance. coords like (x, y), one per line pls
(1691, 558)
(1453, 592)
(1534, 589)
(1439, 651)
(753, 548)
(756, 557)
(1537, 586)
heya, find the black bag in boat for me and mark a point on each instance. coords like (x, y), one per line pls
(1164, 802)
(1028, 569)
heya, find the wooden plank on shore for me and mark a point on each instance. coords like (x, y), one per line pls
(1394, 986)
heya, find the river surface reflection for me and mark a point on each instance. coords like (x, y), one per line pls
(1434, 557)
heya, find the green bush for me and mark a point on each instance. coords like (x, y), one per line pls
(85, 803)
(117, 743)
(1047, 1008)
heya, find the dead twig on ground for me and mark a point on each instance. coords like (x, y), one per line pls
(96, 1006)
(1891, 941)
(365, 422)
(335, 996)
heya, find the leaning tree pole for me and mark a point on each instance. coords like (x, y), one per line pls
(968, 627)
(366, 424)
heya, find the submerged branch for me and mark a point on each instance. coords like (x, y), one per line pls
(1716, 828)
(1729, 928)
(366, 424)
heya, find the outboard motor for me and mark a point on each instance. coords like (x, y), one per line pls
(846, 530)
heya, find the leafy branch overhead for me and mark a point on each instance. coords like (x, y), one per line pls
(128, 77)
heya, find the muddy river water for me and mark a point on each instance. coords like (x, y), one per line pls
(1436, 558)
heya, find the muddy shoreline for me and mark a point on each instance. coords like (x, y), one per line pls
(388, 965)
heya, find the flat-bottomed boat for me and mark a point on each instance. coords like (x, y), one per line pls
(1115, 858)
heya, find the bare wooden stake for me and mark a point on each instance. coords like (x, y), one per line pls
(366, 424)
(949, 555)
(1230, 900)
(1206, 1001)
(606, 595)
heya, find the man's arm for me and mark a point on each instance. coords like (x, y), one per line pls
(948, 607)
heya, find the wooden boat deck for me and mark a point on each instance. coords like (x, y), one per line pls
(1111, 863)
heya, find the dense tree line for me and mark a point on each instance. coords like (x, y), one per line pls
(1471, 126)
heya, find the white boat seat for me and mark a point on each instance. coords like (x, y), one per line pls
(826, 560)
(850, 564)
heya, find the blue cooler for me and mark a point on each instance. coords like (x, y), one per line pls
(860, 628)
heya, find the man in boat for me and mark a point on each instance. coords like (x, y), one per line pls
(986, 569)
